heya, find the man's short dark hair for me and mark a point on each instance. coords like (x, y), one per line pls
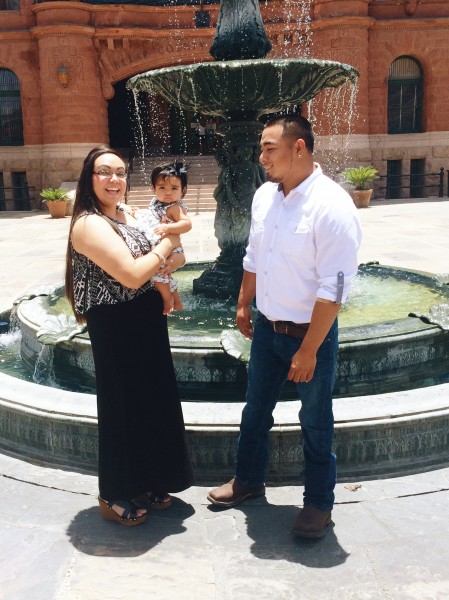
(296, 127)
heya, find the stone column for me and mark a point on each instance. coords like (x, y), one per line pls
(73, 108)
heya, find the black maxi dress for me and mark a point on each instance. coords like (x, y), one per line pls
(142, 440)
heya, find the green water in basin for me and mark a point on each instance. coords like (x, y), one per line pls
(374, 299)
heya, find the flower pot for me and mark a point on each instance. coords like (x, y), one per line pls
(69, 208)
(57, 208)
(361, 198)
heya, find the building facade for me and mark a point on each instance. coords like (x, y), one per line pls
(64, 65)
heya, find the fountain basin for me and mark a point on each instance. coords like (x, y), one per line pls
(380, 435)
(389, 356)
(244, 87)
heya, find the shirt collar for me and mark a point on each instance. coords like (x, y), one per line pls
(303, 187)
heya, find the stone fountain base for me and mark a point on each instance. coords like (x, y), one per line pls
(376, 436)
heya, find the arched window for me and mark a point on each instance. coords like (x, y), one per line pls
(405, 96)
(11, 130)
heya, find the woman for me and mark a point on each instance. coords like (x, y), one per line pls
(143, 452)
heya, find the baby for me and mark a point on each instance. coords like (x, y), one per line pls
(166, 214)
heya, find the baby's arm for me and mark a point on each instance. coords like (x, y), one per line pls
(181, 222)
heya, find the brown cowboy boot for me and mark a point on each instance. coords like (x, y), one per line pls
(232, 493)
(311, 522)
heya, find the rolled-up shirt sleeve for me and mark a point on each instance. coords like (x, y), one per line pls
(338, 236)
(249, 263)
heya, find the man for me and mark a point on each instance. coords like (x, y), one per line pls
(299, 263)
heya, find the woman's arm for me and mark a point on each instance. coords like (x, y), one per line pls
(96, 239)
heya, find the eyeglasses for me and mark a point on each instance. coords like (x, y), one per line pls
(110, 174)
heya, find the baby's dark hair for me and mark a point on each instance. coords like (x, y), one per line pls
(176, 169)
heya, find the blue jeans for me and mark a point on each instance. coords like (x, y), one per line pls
(271, 355)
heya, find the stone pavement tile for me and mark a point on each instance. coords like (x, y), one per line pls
(311, 571)
(415, 516)
(58, 479)
(397, 487)
(164, 572)
(415, 569)
(40, 508)
(357, 524)
(32, 561)
(167, 556)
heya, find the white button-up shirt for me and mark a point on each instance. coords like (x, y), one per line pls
(299, 243)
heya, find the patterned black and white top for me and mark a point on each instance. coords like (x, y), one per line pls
(93, 286)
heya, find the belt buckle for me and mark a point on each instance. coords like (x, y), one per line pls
(280, 327)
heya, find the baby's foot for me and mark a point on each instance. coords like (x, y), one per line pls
(168, 306)
(177, 304)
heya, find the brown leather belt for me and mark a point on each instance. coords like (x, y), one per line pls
(297, 330)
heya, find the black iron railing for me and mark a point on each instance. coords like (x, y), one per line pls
(16, 197)
(415, 185)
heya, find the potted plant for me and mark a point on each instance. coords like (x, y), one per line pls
(56, 199)
(361, 178)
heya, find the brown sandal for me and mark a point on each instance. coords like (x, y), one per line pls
(129, 517)
(156, 500)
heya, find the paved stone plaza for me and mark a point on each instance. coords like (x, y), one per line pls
(390, 538)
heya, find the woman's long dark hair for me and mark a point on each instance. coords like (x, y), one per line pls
(85, 201)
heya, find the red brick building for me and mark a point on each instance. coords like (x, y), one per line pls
(64, 63)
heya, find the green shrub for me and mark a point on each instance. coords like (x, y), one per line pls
(53, 194)
(360, 177)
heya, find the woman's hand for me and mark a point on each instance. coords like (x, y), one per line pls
(167, 244)
(173, 262)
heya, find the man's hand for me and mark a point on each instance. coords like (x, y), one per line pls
(243, 321)
(302, 366)
(303, 362)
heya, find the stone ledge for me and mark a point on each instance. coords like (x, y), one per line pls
(375, 436)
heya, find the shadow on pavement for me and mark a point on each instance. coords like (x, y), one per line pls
(269, 526)
(90, 534)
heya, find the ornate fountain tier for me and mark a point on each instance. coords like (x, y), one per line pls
(239, 91)
(244, 89)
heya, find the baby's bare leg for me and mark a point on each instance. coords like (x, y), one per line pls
(177, 301)
(167, 296)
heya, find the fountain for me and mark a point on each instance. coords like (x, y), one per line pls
(390, 432)
(240, 86)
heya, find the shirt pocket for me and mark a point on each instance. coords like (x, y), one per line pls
(294, 239)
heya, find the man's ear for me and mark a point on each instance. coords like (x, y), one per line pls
(299, 146)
